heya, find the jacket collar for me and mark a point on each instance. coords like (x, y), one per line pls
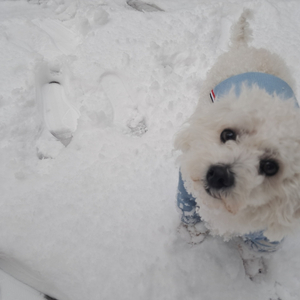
(270, 83)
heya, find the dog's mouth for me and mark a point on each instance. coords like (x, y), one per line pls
(221, 197)
(212, 193)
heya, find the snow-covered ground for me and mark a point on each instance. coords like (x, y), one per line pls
(11, 289)
(89, 211)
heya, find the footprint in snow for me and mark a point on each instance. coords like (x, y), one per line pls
(142, 6)
(59, 116)
(63, 38)
(125, 114)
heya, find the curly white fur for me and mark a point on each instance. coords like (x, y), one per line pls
(266, 127)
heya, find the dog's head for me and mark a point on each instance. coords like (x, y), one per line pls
(241, 160)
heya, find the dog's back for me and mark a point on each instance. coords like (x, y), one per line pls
(242, 58)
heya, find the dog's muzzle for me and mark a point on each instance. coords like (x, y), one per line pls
(219, 177)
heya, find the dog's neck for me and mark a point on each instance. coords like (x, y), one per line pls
(270, 83)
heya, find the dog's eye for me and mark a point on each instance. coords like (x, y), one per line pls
(227, 134)
(268, 167)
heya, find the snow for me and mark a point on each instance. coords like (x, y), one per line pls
(11, 289)
(97, 219)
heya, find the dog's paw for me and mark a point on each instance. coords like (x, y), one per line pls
(254, 262)
(255, 267)
(193, 234)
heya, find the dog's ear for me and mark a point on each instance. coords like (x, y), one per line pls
(183, 140)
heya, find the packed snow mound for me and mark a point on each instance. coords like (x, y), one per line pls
(95, 217)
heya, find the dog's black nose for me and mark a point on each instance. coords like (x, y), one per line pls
(219, 176)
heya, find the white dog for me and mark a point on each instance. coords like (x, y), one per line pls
(240, 162)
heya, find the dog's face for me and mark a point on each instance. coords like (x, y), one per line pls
(243, 155)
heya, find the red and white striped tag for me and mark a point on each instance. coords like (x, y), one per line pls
(212, 96)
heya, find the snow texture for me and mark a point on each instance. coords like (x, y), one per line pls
(96, 218)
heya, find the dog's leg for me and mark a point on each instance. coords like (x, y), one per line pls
(254, 262)
(194, 234)
(192, 228)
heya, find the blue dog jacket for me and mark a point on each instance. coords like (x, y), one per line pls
(272, 85)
